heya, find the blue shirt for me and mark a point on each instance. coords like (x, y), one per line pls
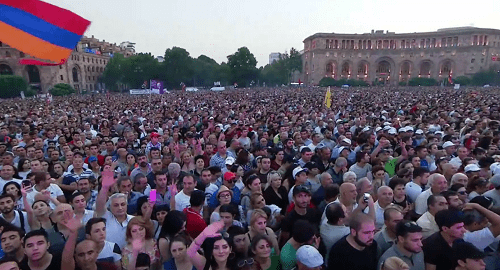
(132, 202)
(214, 202)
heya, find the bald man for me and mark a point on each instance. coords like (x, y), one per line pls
(85, 256)
(438, 184)
(384, 199)
(347, 197)
(59, 232)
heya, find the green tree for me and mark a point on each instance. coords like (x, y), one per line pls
(484, 77)
(113, 74)
(242, 65)
(204, 71)
(177, 67)
(62, 89)
(422, 82)
(12, 85)
(462, 80)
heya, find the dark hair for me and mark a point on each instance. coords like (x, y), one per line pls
(228, 208)
(448, 218)
(209, 250)
(432, 199)
(7, 195)
(456, 187)
(357, 220)
(303, 231)
(91, 222)
(142, 200)
(234, 230)
(172, 224)
(21, 163)
(448, 193)
(160, 207)
(143, 260)
(12, 228)
(35, 233)
(334, 213)
(404, 227)
(331, 191)
(74, 195)
(8, 259)
(251, 178)
(396, 181)
(419, 171)
(15, 184)
(360, 155)
(197, 198)
(198, 157)
(256, 240)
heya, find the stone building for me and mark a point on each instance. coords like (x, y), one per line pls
(82, 70)
(391, 58)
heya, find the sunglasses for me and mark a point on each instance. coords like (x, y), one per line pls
(246, 262)
(462, 192)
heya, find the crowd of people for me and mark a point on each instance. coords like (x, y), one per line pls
(266, 179)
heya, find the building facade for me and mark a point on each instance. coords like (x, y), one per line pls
(82, 70)
(274, 57)
(392, 58)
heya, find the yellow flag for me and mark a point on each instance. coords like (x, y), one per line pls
(328, 98)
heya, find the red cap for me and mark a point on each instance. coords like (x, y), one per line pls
(229, 176)
(154, 135)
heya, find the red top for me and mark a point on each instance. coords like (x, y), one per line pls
(195, 223)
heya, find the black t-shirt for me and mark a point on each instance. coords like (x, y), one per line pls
(438, 252)
(55, 264)
(312, 215)
(344, 257)
(102, 266)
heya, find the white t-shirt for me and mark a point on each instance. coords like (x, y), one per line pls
(182, 201)
(17, 220)
(209, 191)
(421, 202)
(481, 239)
(115, 231)
(55, 191)
(110, 253)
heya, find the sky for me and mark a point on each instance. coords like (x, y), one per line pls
(218, 28)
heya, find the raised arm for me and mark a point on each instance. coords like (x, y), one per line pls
(107, 181)
(73, 224)
(211, 231)
(493, 218)
(32, 221)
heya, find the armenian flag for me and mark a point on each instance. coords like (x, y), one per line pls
(450, 79)
(40, 29)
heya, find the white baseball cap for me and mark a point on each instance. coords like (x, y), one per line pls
(309, 256)
(448, 144)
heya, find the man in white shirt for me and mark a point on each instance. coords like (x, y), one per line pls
(476, 222)
(95, 229)
(438, 184)
(182, 198)
(385, 196)
(6, 175)
(116, 217)
(427, 222)
(415, 187)
(16, 218)
(462, 152)
(43, 182)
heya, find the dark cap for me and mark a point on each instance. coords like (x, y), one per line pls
(448, 218)
(300, 189)
(405, 227)
(484, 201)
(465, 250)
(311, 165)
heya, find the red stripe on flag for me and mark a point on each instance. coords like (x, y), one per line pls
(55, 15)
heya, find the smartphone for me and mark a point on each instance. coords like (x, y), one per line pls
(366, 196)
(26, 183)
(152, 195)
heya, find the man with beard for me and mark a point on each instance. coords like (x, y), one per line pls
(12, 244)
(90, 195)
(357, 250)
(144, 167)
(17, 218)
(408, 246)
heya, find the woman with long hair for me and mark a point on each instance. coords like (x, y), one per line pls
(173, 225)
(179, 260)
(275, 193)
(139, 231)
(252, 185)
(14, 189)
(23, 168)
(187, 161)
(218, 251)
(261, 249)
(243, 158)
(277, 162)
(258, 226)
(131, 162)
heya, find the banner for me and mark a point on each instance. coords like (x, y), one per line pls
(156, 86)
(139, 91)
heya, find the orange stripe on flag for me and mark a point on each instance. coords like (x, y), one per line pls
(32, 45)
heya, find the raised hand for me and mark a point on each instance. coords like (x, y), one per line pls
(73, 223)
(108, 179)
(173, 189)
(213, 229)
